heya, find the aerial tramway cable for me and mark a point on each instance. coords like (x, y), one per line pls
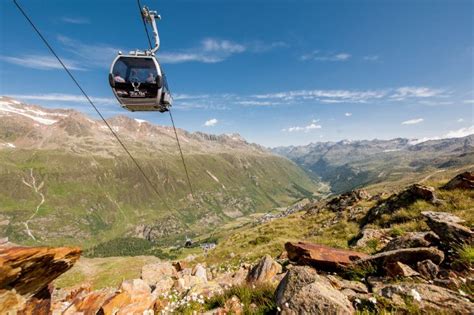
(95, 107)
(169, 110)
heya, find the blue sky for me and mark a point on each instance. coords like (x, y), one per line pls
(277, 72)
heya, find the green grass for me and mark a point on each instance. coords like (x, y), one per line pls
(261, 296)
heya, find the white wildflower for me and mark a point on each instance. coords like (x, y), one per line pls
(287, 305)
(278, 309)
(373, 300)
(358, 301)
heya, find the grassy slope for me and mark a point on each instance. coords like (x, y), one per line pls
(241, 240)
(251, 242)
(91, 199)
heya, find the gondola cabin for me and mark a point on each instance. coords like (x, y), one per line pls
(139, 83)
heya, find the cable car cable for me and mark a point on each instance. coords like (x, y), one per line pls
(169, 110)
(182, 156)
(95, 108)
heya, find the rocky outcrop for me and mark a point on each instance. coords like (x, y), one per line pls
(403, 199)
(265, 270)
(428, 299)
(448, 228)
(28, 270)
(412, 240)
(461, 181)
(159, 276)
(303, 291)
(379, 237)
(408, 256)
(321, 257)
(347, 200)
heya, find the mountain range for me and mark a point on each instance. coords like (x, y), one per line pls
(64, 179)
(346, 165)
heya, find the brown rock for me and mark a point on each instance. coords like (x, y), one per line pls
(408, 256)
(447, 226)
(412, 240)
(12, 302)
(398, 269)
(429, 299)
(264, 271)
(91, 303)
(135, 298)
(320, 256)
(303, 291)
(461, 181)
(180, 265)
(28, 270)
(427, 269)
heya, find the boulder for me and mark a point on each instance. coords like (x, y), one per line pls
(186, 282)
(401, 200)
(232, 278)
(427, 269)
(347, 200)
(29, 270)
(380, 236)
(447, 226)
(264, 271)
(159, 275)
(88, 304)
(427, 298)
(303, 291)
(398, 269)
(207, 289)
(343, 284)
(408, 256)
(412, 240)
(320, 256)
(134, 297)
(461, 181)
(200, 272)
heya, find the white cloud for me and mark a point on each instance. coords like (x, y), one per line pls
(58, 97)
(463, 132)
(256, 103)
(312, 126)
(405, 92)
(413, 121)
(469, 101)
(40, 62)
(97, 55)
(461, 120)
(460, 133)
(319, 56)
(348, 114)
(371, 58)
(75, 20)
(211, 122)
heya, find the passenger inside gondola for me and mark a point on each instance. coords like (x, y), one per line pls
(118, 77)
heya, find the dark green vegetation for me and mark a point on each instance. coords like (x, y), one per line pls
(127, 246)
(347, 165)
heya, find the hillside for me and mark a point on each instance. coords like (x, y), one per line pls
(347, 165)
(65, 180)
